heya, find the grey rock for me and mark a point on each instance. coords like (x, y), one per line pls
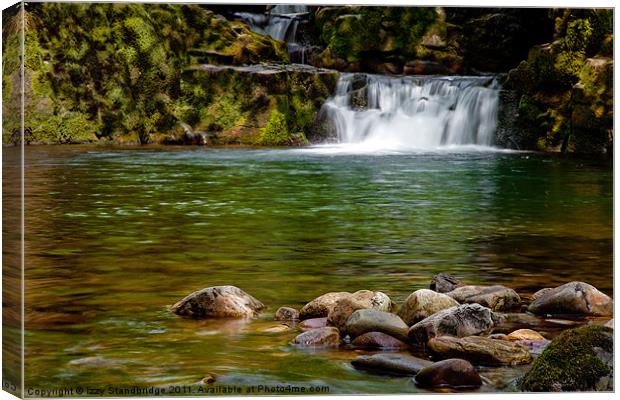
(443, 283)
(572, 298)
(497, 298)
(364, 321)
(320, 337)
(391, 364)
(424, 303)
(218, 302)
(453, 373)
(286, 314)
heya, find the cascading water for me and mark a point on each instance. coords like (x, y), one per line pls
(408, 113)
(280, 23)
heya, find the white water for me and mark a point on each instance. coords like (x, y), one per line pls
(414, 114)
(280, 23)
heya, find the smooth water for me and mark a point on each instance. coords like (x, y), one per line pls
(114, 235)
(413, 113)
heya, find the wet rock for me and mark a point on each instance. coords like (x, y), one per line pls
(497, 298)
(498, 336)
(286, 314)
(313, 323)
(535, 347)
(277, 329)
(579, 359)
(464, 320)
(391, 364)
(319, 307)
(218, 302)
(524, 334)
(424, 303)
(480, 350)
(420, 67)
(320, 337)
(362, 299)
(443, 283)
(572, 298)
(378, 340)
(453, 373)
(364, 321)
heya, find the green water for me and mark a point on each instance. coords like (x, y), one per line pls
(114, 235)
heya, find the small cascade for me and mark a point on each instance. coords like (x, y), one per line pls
(281, 23)
(413, 112)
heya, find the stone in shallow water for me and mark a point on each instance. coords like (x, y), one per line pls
(378, 340)
(363, 321)
(362, 299)
(319, 307)
(443, 283)
(218, 302)
(524, 334)
(535, 347)
(464, 320)
(286, 314)
(313, 323)
(497, 298)
(320, 337)
(452, 373)
(424, 303)
(480, 350)
(391, 364)
(572, 298)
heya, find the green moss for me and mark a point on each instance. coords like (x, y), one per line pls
(275, 132)
(569, 362)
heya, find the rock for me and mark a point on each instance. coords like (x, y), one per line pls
(497, 298)
(364, 321)
(313, 323)
(286, 314)
(453, 373)
(535, 347)
(362, 299)
(498, 336)
(218, 302)
(610, 323)
(524, 334)
(424, 303)
(320, 337)
(277, 329)
(319, 307)
(391, 364)
(480, 350)
(464, 320)
(579, 359)
(420, 67)
(208, 379)
(378, 340)
(572, 298)
(443, 283)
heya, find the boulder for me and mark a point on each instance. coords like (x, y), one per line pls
(453, 373)
(572, 298)
(312, 323)
(378, 340)
(424, 303)
(497, 298)
(524, 334)
(218, 302)
(319, 307)
(464, 320)
(535, 347)
(579, 359)
(480, 350)
(391, 364)
(443, 283)
(320, 337)
(287, 314)
(362, 299)
(364, 321)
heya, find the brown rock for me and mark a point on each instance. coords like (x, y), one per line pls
(319, 307)
(443, 283)
(572, 298)
(453, 373)
(286, 314)
(218, 302)
(378, 340)
(391, 364)
(364, 321)
(524, 334)
(313, 323)
(424, 303)
(464, 320)
(497, 298)
(480, 350)
(320, 337)
(362, 299)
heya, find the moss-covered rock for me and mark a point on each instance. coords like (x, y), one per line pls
(577, 360)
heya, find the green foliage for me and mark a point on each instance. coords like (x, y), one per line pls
(275, 132)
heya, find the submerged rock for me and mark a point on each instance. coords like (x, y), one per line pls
(312, 323)
(497, 298)
(320, 337)
(218, 302)
(424, 303)
(443, 283)
(286, 314)
(378, 340)
(464, 320)
(364, 321)
(524, 334)
(391, 364)
(579, 359)
(480, 350)
(453, 373)
(319, 307)
(572, 298)
(362, 299)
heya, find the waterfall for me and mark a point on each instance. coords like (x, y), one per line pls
(280, 23)
(413, 112)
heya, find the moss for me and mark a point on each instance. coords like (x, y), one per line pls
(569, 362)
(275, 132)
